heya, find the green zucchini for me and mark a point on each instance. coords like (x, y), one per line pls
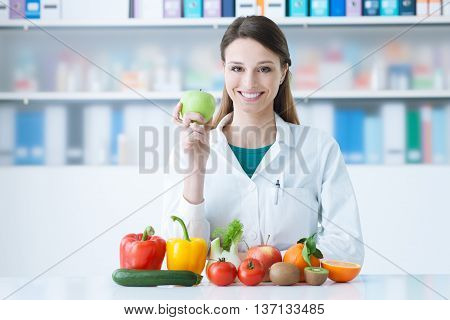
(152, 278)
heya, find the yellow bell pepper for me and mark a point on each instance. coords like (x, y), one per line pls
(186, 254)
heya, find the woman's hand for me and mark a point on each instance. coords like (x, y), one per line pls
(194, 138)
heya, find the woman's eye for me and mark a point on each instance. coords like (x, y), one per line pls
(265, 69)
(235, 68)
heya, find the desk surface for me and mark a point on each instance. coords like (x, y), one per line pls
(363, 287)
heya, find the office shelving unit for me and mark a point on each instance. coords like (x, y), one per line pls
(223, 22)
(135, 96)
(360, 24)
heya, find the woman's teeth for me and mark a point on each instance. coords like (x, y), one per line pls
(250, 95)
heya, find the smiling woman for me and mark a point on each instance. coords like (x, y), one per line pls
(255, 163)
(256, 62)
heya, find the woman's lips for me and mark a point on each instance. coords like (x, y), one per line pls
(253, 94)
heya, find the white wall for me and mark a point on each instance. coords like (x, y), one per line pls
(46, 213)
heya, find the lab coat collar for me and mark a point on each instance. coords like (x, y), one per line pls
(283, 137)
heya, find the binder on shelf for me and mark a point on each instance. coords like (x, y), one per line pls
(50, 9)
(193, 8)
(389, 8)
(74, 135)
(319, 8)
(275, 8)
(373, 142)
(439, 137)
(435, 7)
(212, 8)
(323, 117)
(342, 131)
(228, 8)
(393, 116)
(148, 9)
(425, 114)
(246, 8)
(4, 12)
(260, 7)
(7, 135)
(371, 8)
(55, 135)
(337, 8)
(33, 9)
(173, 8)
(29, 137)
(131, 10)
(446, 9)
(95, 10)
(407, 8)
(349, 132)
(413, 136)
(117, 136)
(447, 134)
(16, 9)
(421, 7)
(298, 8)
(353, 8)
(97, 134)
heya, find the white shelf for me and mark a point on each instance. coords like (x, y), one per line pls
(130, 96)
(223, 22)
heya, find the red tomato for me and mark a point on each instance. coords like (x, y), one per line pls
(221, 273)
(251, 272)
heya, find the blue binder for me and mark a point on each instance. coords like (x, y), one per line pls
(389, 8)
(407, 7)
(371, 8)
(342, 132)
(439, 143)
(33, 9)
(29, 138)
(337, 7)
(193, 8)
(356, 136)
(298, 8)
(319, 8)
(228, 7)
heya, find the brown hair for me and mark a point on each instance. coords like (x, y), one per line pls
(268, 34)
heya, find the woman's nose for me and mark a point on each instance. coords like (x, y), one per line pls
(249, 80)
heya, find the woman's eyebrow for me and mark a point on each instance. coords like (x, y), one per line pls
(261, 62)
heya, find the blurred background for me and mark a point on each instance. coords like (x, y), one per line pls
(76, 83)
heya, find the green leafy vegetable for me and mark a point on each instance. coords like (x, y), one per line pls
(232, 234)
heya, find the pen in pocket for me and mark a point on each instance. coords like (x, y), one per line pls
(277, 185)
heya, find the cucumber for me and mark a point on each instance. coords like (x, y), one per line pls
(152, 278)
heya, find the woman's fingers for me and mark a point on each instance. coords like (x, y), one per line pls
(192, 116)
(176, 113)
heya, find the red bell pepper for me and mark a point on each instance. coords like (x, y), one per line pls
(142, 251)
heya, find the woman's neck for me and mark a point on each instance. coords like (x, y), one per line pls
(251, 130)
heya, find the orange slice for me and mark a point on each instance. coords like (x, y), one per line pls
(341, 271)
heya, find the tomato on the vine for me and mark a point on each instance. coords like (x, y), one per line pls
(221, 273)
(251, 272)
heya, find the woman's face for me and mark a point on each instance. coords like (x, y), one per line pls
(252, 75)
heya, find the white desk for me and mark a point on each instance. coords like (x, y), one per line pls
(364, 287)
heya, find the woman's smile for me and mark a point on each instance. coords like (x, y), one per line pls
(250, 96)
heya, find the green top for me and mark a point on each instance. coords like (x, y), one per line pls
(249, 158)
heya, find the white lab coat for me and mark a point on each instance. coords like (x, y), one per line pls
(315, 194)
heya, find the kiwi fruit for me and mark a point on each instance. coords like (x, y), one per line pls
(315, 276)
(284, 274)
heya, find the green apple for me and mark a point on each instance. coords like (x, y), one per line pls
(200, 102)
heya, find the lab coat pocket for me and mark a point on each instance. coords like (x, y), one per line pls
(300, 198)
